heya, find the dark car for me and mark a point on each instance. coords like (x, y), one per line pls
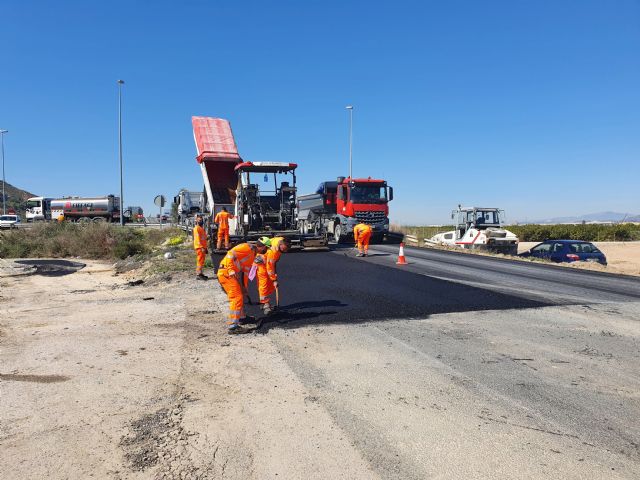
(567, 251)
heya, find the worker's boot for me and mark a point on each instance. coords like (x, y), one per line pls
(360, 254)
(202, 276)
(266, 309)
(237, 330)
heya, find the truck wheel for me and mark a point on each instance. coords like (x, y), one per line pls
(337, 234)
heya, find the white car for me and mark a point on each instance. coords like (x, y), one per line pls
(9, 221)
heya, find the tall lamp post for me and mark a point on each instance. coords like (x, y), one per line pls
(120, 83)
(350, 108)
(4, 199)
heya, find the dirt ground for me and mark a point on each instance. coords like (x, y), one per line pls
(103, 379)
(622, 257)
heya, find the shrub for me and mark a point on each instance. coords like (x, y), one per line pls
(93, 240)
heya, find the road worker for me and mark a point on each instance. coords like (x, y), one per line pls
(222, 219)
(237, 263)
(267, 275)
(362, 235)
(200, 246)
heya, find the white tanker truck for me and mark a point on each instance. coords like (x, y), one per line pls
(479, 228)
(84, 209)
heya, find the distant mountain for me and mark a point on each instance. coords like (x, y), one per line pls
(593, 217)
(15, 197)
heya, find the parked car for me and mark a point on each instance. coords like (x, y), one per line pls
(566, 251)
(9, 221)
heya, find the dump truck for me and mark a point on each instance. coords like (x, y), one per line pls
(338, 206)
(260, 195)
(479, 228)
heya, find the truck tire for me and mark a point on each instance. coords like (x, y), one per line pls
(337, 234)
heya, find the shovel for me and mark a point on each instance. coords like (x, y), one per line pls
(277, 298)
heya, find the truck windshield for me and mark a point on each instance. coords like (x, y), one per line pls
(490, 217)
(33, 203)
(368, 194)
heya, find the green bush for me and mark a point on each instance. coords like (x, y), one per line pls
(587, 232)
(93, 240)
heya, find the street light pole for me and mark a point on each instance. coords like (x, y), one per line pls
(4, 199)
(120, 83)
(350, 108)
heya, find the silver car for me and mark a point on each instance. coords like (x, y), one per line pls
(9, 221)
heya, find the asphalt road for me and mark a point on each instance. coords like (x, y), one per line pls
(461, 366)
(337, 287)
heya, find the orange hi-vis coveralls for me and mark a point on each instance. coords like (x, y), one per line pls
(200, 246)
(222, 219)
(238, 259)
(267, 270)
(362, 235)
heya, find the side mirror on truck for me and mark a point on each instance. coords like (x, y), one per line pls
(390, 193)
(341, 194)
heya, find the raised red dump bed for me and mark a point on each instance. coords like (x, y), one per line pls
(218, 156)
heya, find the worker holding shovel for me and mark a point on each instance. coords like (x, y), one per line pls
(266, 272)
(238, 261)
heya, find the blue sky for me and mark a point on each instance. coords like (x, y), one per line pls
(533, 106)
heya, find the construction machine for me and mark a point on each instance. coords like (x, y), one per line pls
(479, 228)
(261, 196)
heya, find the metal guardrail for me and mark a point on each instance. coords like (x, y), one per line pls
(412, 239)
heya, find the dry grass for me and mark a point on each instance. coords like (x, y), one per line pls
(91, 241)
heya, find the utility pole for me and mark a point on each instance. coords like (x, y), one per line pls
(4, 199)
(350, 108)
(120, 83)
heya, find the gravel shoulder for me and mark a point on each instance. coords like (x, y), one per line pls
(103, 379)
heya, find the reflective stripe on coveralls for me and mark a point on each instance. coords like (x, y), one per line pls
(238, 259)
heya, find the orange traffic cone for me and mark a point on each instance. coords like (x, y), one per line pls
(401, 259)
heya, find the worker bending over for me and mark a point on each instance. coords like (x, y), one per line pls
(267, 274)
(237, 263)
(200, 246)
(362, 235)
(222, 219)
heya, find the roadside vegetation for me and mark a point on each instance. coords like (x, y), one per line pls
(91, 241)
(620, 232)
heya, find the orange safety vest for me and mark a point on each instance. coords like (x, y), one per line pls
(239, 258)
(199, 237)
(361, 229)
(222, 219)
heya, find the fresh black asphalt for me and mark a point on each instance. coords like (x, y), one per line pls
(325, 287)
(337, 287)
